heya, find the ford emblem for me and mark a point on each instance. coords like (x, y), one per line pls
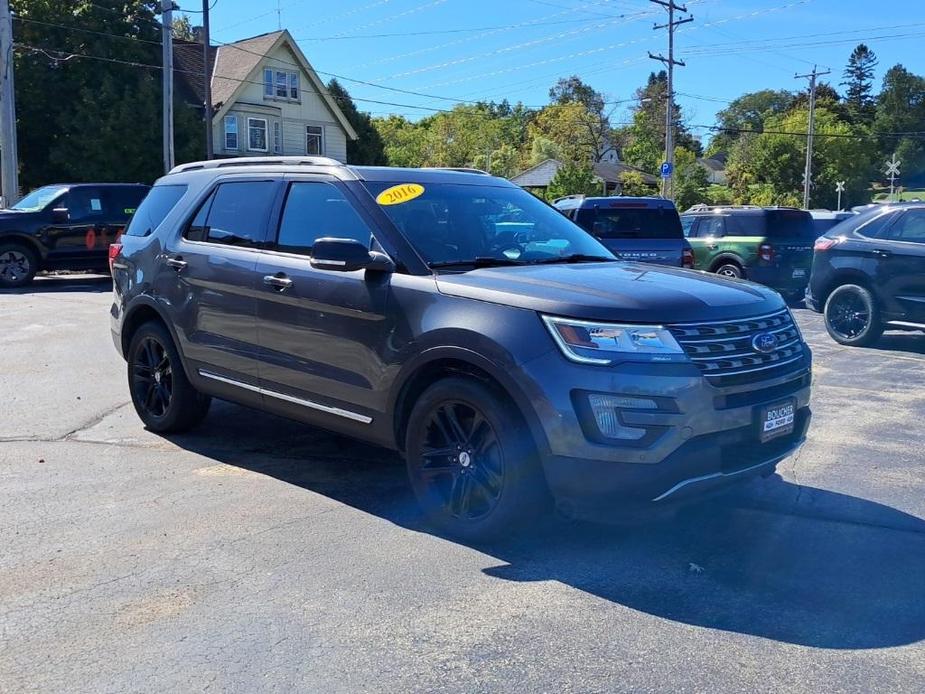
(764, 343)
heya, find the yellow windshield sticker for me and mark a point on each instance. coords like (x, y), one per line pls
(396, 195)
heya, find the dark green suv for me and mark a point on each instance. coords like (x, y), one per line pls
(769, 245)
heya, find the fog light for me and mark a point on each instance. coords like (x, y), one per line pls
(605, 409)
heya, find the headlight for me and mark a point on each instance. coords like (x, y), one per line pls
(603, 343)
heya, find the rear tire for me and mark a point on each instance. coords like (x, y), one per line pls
(730, 269)
(472, 462)
(163, 397)
(18, 265)
(852, 316)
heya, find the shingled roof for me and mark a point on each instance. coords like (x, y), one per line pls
(233, 64)
(541, 175)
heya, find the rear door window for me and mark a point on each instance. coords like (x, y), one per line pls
(877, 226)
(154, 209)
(746, 225)
(910, 227)
(711, 227)
(631, 223)
(236, 214)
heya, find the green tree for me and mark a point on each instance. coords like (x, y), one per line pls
(368, 148)
(690, 179)
(748, 113)
(633, 183)
(573, 179)
(901, 109)
(859, 80)
(541, 149)
(80, 118)
(570, 90)
(183, 28)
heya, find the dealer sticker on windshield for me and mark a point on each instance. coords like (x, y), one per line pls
(396, 195)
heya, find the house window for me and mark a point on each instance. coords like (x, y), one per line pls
(314, 139)
(294, 85)
(231, 132)
(280, 84)
(257, 134)
(277, 138)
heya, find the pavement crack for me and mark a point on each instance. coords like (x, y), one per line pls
(93, 422)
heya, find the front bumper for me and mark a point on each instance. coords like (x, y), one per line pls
(701, 436)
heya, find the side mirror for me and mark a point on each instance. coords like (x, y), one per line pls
(60, 215)
(348, 255)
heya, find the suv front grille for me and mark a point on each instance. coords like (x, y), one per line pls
(724, 352)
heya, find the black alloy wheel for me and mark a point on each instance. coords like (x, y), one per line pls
(461, 461)
(163, 397)
(471, 460)
(152, 377)
(852, 316)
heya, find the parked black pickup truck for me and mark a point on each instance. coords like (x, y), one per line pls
(64, 227)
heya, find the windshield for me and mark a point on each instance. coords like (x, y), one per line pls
(631, 223)
(453, 224)
(38, 199)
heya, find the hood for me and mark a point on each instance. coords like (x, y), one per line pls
(615, 292)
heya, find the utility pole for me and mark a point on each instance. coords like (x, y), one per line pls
(167, 8)
(668, 170)
(9, 157)
(810, 132)
(207, 79)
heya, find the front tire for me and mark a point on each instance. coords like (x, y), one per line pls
(471, 461)
(163, 397)
(852, 316)
(18, 265)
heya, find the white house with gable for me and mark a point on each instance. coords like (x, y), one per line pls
(267, 99)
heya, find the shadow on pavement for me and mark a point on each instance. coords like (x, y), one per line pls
(912, 342)
(53, 284)
(793, 564)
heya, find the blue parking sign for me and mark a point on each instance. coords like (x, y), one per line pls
(666, 170)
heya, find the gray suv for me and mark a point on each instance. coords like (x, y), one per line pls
(460, 320)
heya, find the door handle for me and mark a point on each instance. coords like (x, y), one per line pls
(176, 263)
(712, 246)
(882, 253)
(278, 281)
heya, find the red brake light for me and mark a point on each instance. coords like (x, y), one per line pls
(766, 252)
(823, 243)
(114, 250)
(687, 258)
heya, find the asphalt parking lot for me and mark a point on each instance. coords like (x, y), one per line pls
(257, 554)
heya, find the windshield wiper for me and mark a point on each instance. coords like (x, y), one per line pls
(575, 258)
(480, 261)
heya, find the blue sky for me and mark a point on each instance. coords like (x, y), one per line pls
(492, 49)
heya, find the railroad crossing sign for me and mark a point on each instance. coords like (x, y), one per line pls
(839, 188)
(892, 170)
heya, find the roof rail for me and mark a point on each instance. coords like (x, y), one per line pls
(574, 196)
(461, 169)
(255, 161)
(702, 207)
